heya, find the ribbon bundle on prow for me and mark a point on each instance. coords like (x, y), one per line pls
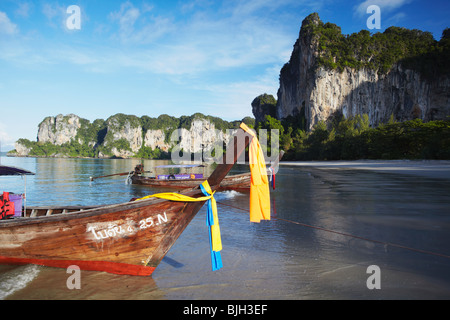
(259, 186)
(259, 198)
(212, 219)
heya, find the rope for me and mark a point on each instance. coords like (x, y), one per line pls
(350, 235)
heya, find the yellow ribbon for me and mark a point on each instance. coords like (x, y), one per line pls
(176, 197)
(259, 186)
(216, 241)
(213, 219)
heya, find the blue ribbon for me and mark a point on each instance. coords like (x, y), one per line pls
(216, 258)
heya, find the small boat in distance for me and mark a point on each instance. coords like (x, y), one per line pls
(237, 182)
(187, 180)
(126, 238)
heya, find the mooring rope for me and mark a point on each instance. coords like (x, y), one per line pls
(349, 235)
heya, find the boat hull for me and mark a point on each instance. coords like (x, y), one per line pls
(240, 182)
(130, 238)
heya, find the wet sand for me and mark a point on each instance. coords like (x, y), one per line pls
(436, 169)
(380, 201)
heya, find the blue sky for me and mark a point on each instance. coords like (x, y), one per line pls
(146, 57)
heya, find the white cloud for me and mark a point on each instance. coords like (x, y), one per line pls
(7, 142)
(54, 12)
(49, 11)
(78, 57)
(232, 101)
(229, 56)
(137, 26)
(126, 17)
(235, 42)
(24, 9)
(385, 5)
(206, 40)
(6, 26)
(251, 7)
(396, 18)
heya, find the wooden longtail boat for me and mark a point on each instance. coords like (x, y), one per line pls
(239, 182)
(128, 238)
(232, 182)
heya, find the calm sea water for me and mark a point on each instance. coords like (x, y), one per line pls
(275, 259)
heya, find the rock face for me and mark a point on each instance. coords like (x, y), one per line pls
(317, 92)
(263, 105)
(125, 129)
(202, 135)
(21, 149)
(58, 130)
(156, 139)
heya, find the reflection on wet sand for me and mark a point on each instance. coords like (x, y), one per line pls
(275, 259)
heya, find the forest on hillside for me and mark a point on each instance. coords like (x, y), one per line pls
(97, 139)
(353, 139)
(414, 49)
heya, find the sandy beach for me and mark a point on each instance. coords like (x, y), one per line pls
(331, 221)
(437, 169)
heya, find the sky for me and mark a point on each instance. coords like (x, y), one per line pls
(96, 58)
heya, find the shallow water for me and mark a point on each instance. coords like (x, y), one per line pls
(275, 259)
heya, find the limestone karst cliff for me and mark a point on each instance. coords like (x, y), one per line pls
(330, 73)
(125, 136)
(59, 130)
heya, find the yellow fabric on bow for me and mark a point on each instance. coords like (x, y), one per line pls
(259, 187)
(175, 197)
(212, 218)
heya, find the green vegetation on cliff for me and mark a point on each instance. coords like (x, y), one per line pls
(414, 49)
(353, 139)
(47, 149)
(323, 45)
(97, 139)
